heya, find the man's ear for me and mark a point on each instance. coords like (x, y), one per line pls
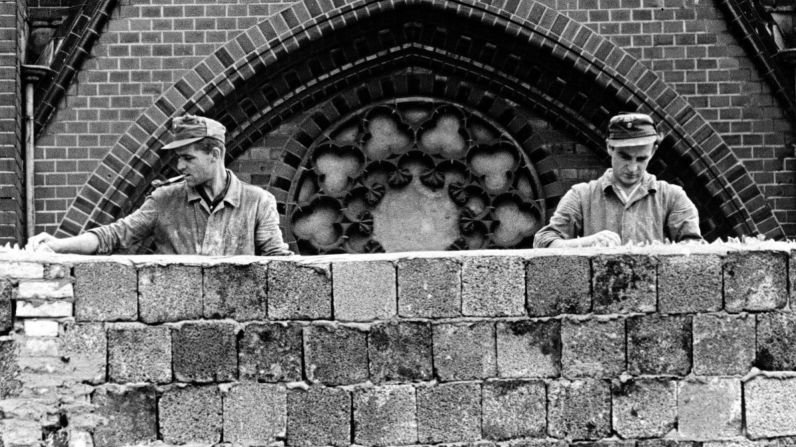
(215, 152)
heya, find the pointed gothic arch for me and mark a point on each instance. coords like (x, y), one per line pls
(475, 54)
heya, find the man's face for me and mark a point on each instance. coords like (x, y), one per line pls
(629, 163)
(196, 165)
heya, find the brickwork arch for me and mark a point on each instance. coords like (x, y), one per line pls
(532, 54)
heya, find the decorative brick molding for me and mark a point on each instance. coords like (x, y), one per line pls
(310, 53)
(479, 364)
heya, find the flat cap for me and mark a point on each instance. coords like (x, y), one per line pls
(191, 128)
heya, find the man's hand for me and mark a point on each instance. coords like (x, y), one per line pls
(605, 238)
(40, 242)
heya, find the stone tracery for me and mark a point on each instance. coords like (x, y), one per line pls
(414, 174)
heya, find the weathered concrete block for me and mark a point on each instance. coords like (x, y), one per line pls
(449, 412)
(514, 409)
(169, 293)
(429, 288)
(130, 414)
(106, 291)
(335, 356)
(724, 345)
(644, 408)
(10, 384)
(465, 351)
(255, 414)
(318, 416)
(493, 286)
(710, 410)
(400, 352)
(205, 351)
(6, 306)
(529, 348)
(299, 291)
(363, 290)
(623, 283)
(558, 285)
(270, 353)
(236, 291)
(755, 280)
(593, 348)
(85, 345)
(190, 414)
(770, 407)
(578, 410)
(138, 353)
(385, 415)
(689, 283)
(776, 337)
(659, 344)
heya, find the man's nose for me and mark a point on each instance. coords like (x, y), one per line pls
(180, 165)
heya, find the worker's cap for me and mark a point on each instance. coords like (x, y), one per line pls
(191, 128)
(631, 129)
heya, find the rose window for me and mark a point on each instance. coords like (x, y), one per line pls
(414, 175)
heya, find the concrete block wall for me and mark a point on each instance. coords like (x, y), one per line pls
(629, 346)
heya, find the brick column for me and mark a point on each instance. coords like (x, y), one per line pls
(12, 25)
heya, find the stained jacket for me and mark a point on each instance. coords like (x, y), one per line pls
(657, 211)
(244, 223)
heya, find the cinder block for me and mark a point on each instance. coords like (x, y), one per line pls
(170, 293)
(363, 290)
(514, 409)
(86, 347)
(130, 414)
(10, 383)
(644, 408)
(138, 353)
(106, 291)
(255, 414)
(776, 335)
(190, 414)
(493, 286)
(755, 280)
(770, 407)
(593, 348)
(623, 283)
(689, 283)
(400, 352)
(710, 409)
(385, 415)
(529, 348)
(724, 345)
(464, 351)
(792, 274)
(318, 416)
(335, 355)
(299, 291)
(270, 353)
(236, 291)
(579, 410)
(449, 412)
(558, 285)
(659, 345)
(683, 443)
(6, 306)
(429, 288)
(205, 351)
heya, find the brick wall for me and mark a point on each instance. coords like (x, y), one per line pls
(490, 348)
(12, 16)
(147, 47)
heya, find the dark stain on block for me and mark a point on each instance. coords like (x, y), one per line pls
(270, 353)
(130, 414)
(400, 352)
(624, 284)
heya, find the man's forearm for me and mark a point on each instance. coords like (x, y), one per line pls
(84, 244)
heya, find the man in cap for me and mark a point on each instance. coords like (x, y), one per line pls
(627, 204)
(206, 210)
